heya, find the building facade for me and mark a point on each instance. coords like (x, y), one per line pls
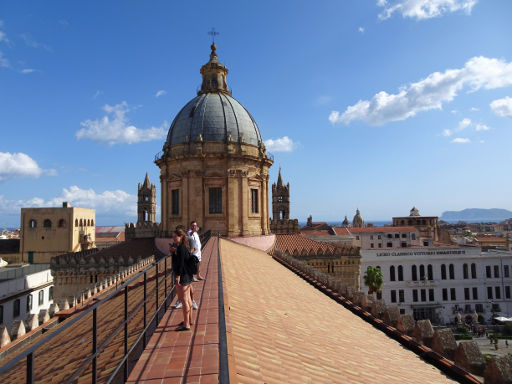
(23, 291)
(214, 166)
(436, 283)
(48, 232)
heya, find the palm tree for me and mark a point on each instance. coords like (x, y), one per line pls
(374, 280)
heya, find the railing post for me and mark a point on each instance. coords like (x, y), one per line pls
(145, 299)
(165, 283)
(126, 332)
(94, 346)
(30, 368)
(156, 295)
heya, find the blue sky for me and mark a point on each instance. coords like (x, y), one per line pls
(371, 104)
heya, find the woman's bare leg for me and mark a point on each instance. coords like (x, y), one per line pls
(187, 306)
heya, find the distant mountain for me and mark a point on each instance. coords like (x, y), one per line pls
(477, 214)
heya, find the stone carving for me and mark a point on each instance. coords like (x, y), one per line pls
(444, 343)
(405, 324)
(469, 357)
(424, 332)
(391, 315)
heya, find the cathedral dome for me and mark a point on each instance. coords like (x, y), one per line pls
(213, 115)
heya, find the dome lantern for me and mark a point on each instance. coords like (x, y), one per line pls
(214, 75)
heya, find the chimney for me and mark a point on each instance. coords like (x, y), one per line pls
(65, 204)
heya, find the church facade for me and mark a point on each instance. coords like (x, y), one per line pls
(213, 167)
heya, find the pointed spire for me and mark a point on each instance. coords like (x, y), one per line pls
(214, 75)
(279, 179)
(147, 183)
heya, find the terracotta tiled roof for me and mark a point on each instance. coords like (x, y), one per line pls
(284, 331)
(486, 239)
(300, 243)
(342, 231)
(316, 232)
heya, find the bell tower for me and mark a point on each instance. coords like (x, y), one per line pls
(281, 222)
(146, 204)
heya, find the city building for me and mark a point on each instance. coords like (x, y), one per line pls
(24, 290)
(214, 166)
(383, 237)
(48, 232)
(109, 236)
(281, 222)
(438, 282)
(427, 225)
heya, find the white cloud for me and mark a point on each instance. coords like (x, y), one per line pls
(114, 128)
(3, 35)
(502, 107)
(3, 61)
(114, 203)
(482, 127)
(473, 109)
(97, 93)
(27, 71)
(30, 42)
(463, 124)
(424, 9)
(429, 93)
(461, 140)
(360, 29)
(160, 92)
(447, 132)
(13, 165)
(283, 144)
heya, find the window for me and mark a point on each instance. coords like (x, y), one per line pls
(488, 271)
(496, 271)
(76, 222)
(404, 235)
(47, 223)
(423, 295)
(41, 297)
(32, 223)
(506, 271)
(404, 244)
(215, 200)
(473, 271)
(1, 314)
(62, 223)
(422, 272)
(380, 245)
(371, 245)
(389, 245)
(400, 273)
(390, 236)
(357, 237)
(415, 295)
(393, 296)
(414, 272)
(279, 199)
(16, 308)
(175, 202)
(466, 294)
(465, 271)
(371, 237)
(507, 292)
(397, 235)
(453, 295)
(443, 272)
(413, 236)
(430, 272)
(379, 237)
(445, 294)
(425, 243)
(452, 271)
(29, 303)
(430, 295)
(254, 201)
(497, 291)
(489, 292)
(392, 273)
(479, 308)
(401, 296)
(50, 293)
(475, 293)
(402, 311)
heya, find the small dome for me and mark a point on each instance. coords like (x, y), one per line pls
(358, 221)
(214, 117)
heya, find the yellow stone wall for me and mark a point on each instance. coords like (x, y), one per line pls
(236, 168)
(66, 234)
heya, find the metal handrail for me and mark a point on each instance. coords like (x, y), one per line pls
(29, 353)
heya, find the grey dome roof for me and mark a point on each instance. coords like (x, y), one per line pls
(213, 117)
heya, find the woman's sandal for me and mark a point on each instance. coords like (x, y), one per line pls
(182, 324)
(181, 328)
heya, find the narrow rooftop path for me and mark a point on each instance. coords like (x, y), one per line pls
(282, 330)
(186, 357)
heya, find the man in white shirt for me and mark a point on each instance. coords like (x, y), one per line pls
(195, 246)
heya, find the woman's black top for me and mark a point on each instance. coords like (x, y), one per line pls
(180, 266)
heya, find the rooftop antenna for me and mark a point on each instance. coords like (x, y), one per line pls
(213, 33)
